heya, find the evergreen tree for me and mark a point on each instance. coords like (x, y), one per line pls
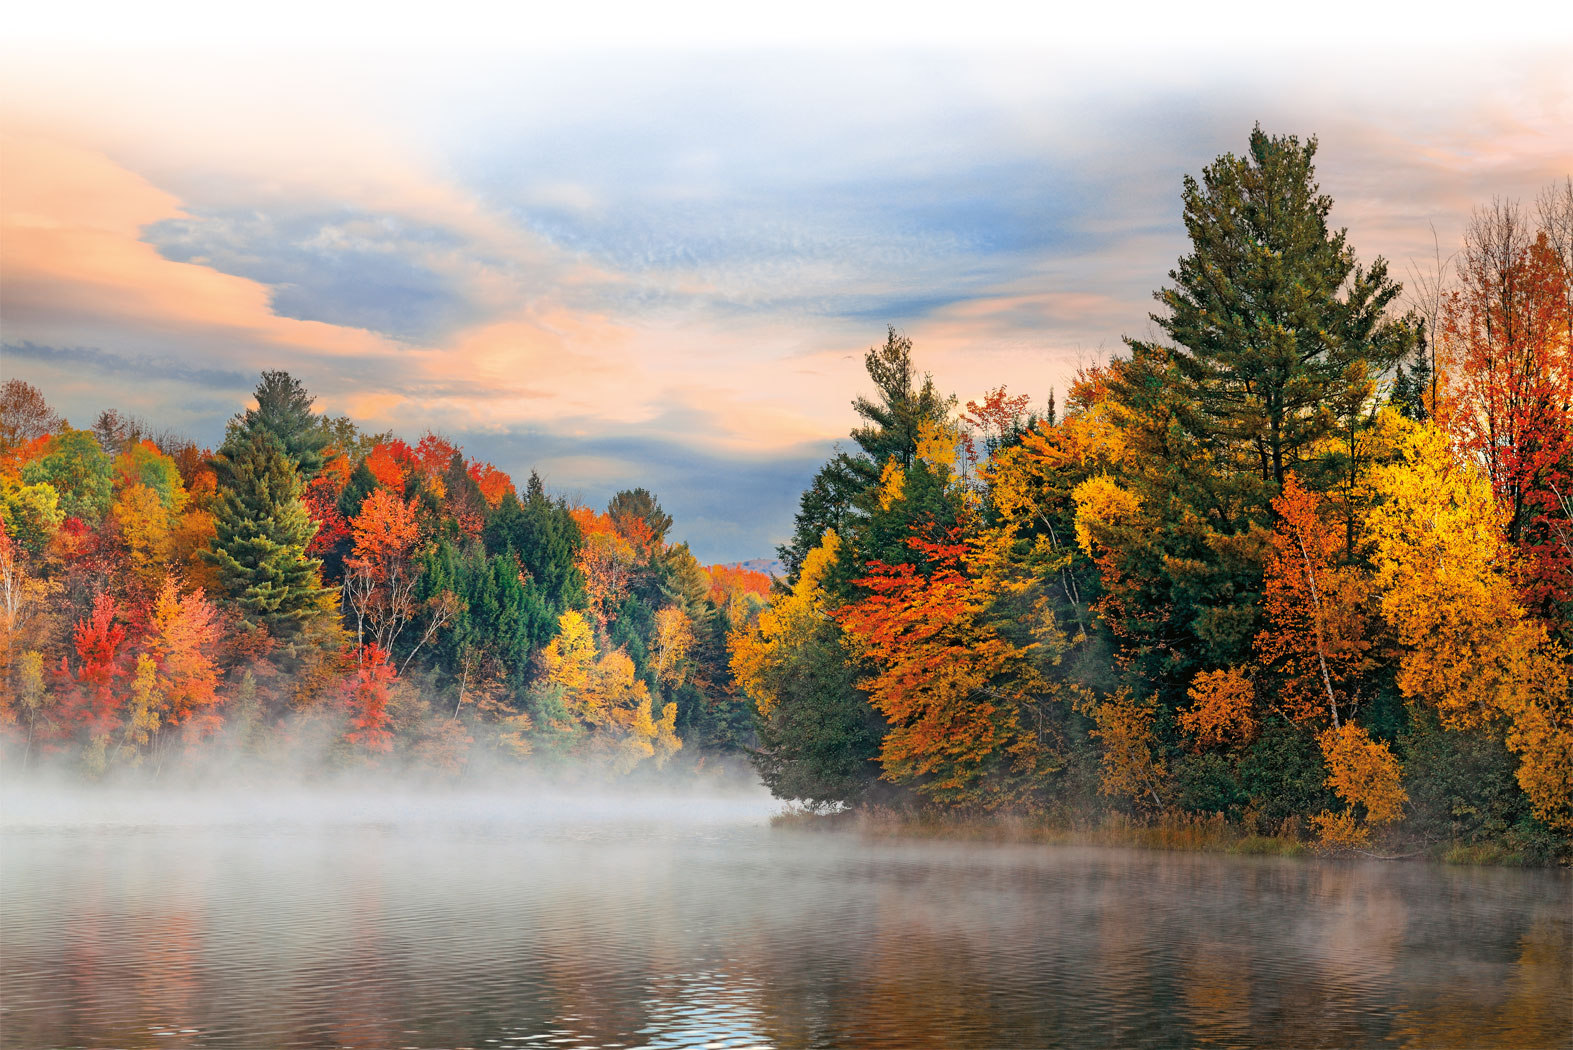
(543, 535)
(1412, 388)
(904, 404)
(826, 504)
(1274, 321)
(839, 496)
(640, 504)
(284, 410)
(261, 532)
(360, 485)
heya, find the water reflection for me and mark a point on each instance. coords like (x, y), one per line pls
(617, 929)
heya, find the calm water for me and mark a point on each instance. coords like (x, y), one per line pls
(470, 922)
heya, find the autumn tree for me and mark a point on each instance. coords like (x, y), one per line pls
(1513, 377)
(965, 707)
(94, 706)
(24, 415)
(365, 694)
(382, 576)
(79, 471)
(183, 642)
(1467, 648)
(1318, 630)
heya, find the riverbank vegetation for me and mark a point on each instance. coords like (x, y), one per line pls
(312, 599)
(1298, 570)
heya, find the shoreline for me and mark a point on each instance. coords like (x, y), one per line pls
(1170, 832)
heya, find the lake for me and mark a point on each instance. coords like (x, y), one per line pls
(547, 920)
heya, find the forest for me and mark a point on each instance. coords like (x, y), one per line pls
(1302, 565)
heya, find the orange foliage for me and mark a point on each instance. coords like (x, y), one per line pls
(1222, 709)
(944, 680)
(493, 483)
(381, 574)
(184, 634)
(12, 460)
(1318, 625)
(390, 463)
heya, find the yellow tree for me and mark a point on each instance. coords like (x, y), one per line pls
(1466, 647)
(674, 635)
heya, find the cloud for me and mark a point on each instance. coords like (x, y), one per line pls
(91, 361)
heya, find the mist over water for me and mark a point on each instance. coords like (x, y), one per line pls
(539, 916)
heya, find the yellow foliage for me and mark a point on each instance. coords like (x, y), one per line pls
(1466, 646)
(784, 624)
(1363, 771)
(1133, 767)
(674, 634)
(145, 527)
(937, 443)
(1222, 708)
(1101, 502)
(1340, 830)
(570, 655)
(892, 484)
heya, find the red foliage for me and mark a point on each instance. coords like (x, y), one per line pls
(321, 498)
(94, 703)
(365, 695)
(1508, 326)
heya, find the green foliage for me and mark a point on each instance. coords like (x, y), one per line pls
(1284, 776)
(79, 472)
(1275, 321)
(641, 505)
(1463, 788)
(820, 741)
(546, 540)
(284, 411)
(141, 465)
(361, 484)
(31, 513)
(262, 528)
(905, 402)
(827, 503)
(503, 620)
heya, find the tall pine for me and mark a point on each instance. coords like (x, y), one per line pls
(1275, 324)
(284, 411)
(262, 529)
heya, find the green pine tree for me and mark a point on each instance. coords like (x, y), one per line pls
(1275, 325)
(262, 529)
(284, 410)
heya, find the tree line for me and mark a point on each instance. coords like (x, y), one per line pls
(313, 594)
(1305, 560)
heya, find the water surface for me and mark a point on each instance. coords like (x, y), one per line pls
(550, 921)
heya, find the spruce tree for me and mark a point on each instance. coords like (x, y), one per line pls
(284, 410)
(1273, 320)
(262, 529)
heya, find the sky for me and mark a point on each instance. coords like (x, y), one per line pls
(652, 252)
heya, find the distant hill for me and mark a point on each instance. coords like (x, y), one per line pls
(768, 566)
